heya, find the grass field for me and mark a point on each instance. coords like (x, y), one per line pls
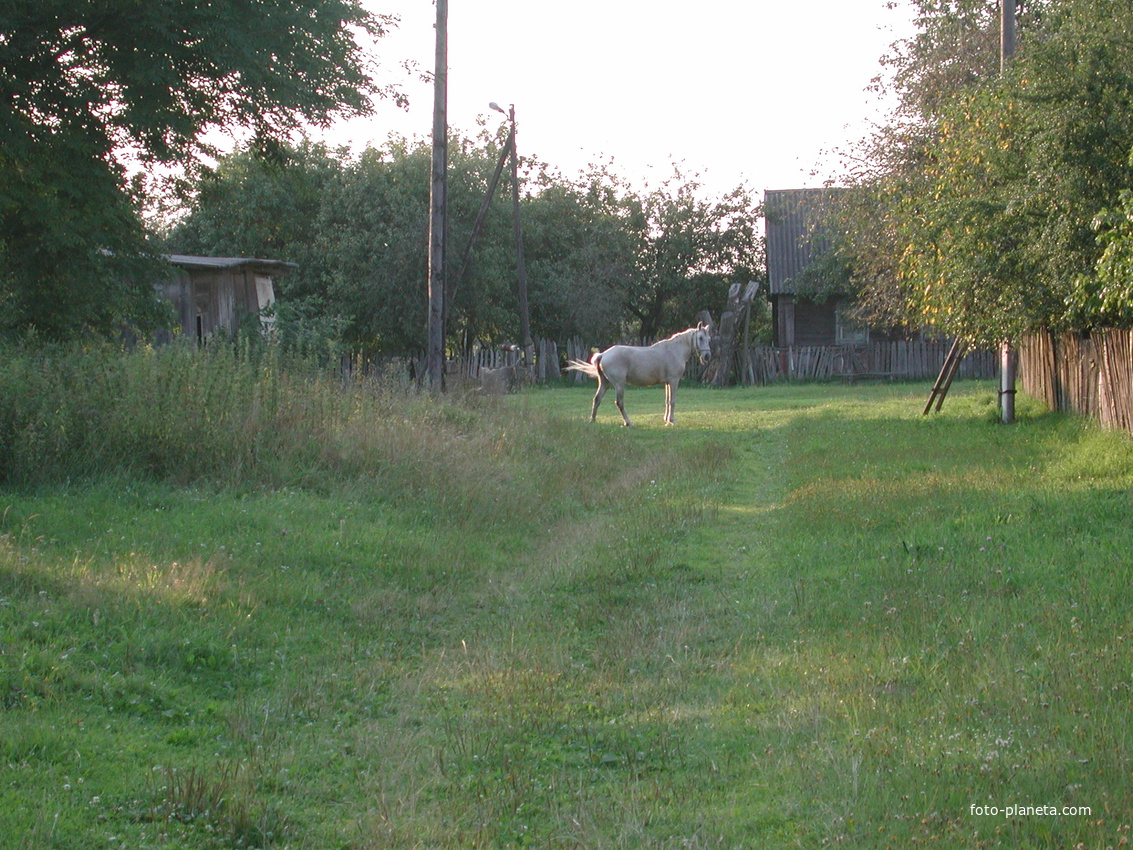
(806, 616)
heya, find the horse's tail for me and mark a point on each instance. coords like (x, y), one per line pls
(585, 368)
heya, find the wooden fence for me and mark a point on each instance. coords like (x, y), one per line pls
(1091, 376)
(905, 360)
(915, 360)
(902, 360)
(472, 364)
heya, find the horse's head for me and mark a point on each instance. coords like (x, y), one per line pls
(702, 342)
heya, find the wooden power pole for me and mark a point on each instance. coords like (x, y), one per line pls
(438, 208)
(1006, 33)
(1006, 355)
(520, 265)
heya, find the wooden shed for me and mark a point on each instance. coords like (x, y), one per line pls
(797, 246)
(216, 293)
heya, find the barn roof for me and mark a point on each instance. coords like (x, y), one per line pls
(192, 263)
(793, 219)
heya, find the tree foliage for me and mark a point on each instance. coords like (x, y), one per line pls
(88, 88)
(580, 256)
(1109, 296)
(689, 248)
(603, 260)
(977, 213)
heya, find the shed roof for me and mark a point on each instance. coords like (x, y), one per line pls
(795, 236)
(192, 263)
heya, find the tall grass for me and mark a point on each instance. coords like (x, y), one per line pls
(225, 412)
(249, 416)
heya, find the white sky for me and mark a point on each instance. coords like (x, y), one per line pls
(755, 91)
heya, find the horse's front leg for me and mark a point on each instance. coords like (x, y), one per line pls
(670, 403)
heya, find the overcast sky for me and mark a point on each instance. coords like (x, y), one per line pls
(757, 92)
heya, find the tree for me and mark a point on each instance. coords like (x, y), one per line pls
(373, 230)
(484, 304)
(599, 255)
(895, 172)
(357, 227)
(89, 88)
(1109, 296)
(978, 221)
(1078, 88)
(256, 207)
(956, 47)
(688, 249)
(580, 255)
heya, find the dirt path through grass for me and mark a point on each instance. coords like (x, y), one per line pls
(929, 622)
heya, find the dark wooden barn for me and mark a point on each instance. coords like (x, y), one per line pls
(809, 305)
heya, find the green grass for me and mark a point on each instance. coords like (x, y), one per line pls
(806, 616)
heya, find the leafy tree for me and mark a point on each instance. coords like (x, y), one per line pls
(580, 249)
(373, 229)
(70, 241)
(956, 47)
(1079, 87)
(358, 229)
(1110, 297)
(978, 219)
(688, 249)
(484, 304)
(256, 207)
(90, 88)
(895, 171)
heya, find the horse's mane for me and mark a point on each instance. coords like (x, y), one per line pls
(682, 333)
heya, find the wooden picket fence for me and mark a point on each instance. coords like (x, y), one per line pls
(1091, 376)
(903, 360)
(547, 366)
(900, 360)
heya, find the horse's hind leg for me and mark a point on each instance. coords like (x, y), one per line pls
(603, 385)
(620, 400)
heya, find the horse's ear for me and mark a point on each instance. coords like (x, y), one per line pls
(702, 327)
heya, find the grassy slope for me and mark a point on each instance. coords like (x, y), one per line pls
(804, 615)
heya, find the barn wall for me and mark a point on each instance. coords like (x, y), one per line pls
(210, 294)
(209, 300)
(798, 321)
(179, 292)
(783, 319)
(815, 324)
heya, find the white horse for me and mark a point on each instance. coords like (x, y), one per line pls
(643, 366)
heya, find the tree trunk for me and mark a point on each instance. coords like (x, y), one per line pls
(719, 368)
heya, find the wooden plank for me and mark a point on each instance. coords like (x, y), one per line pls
(944, 379)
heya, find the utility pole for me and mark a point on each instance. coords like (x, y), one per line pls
(520, 267)
(479, 222)
(1006, 355)
(438, 208)
(1006, 33)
